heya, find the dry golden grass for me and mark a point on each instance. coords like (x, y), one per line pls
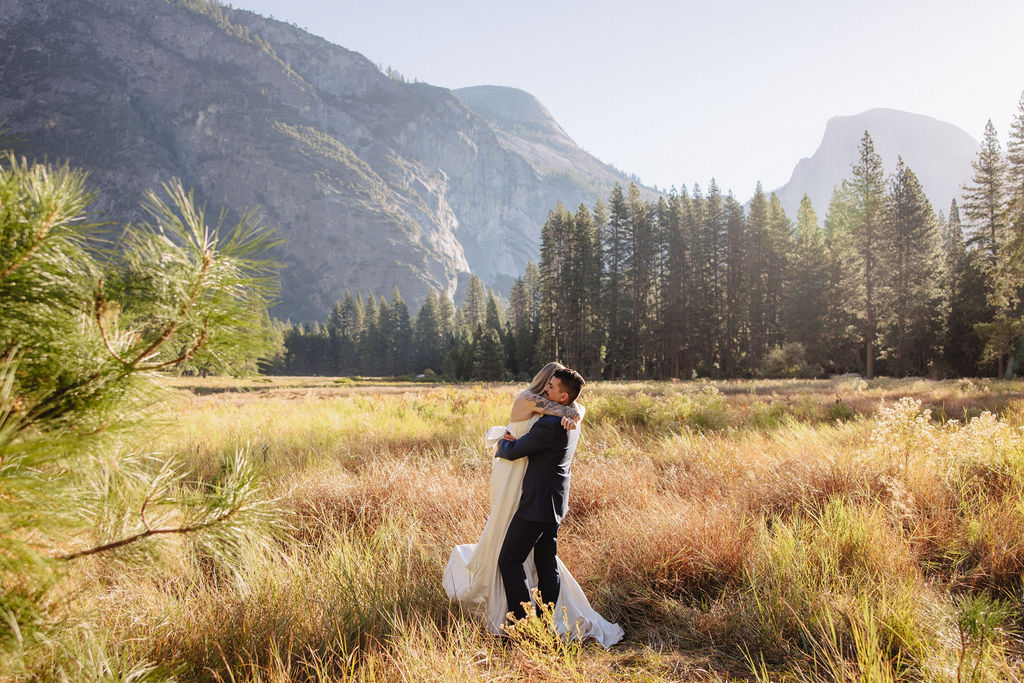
(797, 530)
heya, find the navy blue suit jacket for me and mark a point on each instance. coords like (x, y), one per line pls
(546, 481)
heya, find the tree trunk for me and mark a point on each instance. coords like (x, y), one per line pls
(870, 366)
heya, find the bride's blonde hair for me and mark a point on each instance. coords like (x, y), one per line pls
(540, 380)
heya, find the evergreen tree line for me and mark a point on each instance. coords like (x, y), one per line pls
(378, 337)
(696, 284)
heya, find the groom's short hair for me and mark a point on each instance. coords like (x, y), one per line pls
(571, 380)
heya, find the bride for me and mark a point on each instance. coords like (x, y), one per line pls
(472, 577)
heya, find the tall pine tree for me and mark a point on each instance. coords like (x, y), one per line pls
(985, 208)
(757, 264)
(737, 307)
(429, 346)
(639, 273)
(709, 279)
(780, 244)
(916, 269)
(553, 301)
(985, 198)
(1009, 283)
(676, 285)
(845, 289)
(871, 244)
(968, 304)
(617, 242)
(805, 309)
(474, 308)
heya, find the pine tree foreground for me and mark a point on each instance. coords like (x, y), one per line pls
(83, 337)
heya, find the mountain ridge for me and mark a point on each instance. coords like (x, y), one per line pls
(524, 126)
(373, 182)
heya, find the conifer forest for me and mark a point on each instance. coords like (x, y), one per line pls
(697, 284)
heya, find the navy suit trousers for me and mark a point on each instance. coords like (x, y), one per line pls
(525, 535)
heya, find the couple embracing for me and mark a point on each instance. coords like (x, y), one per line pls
(518, 549)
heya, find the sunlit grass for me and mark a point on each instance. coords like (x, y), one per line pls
(800, 530)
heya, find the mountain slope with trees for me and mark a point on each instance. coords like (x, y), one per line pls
(374, 182)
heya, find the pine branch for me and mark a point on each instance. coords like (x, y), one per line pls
(39, 239)
(128, 540)
(185, 356)
(100, 301)
(169, 329)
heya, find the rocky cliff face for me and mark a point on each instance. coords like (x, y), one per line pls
(939, 153)
(525, 127)
(372, 182)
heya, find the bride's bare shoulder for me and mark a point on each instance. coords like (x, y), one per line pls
(524, 406)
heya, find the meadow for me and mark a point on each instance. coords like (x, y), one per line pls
(745, 530)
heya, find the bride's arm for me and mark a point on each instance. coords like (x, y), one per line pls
(545, 406)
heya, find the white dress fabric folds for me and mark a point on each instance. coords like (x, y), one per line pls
(472, 577)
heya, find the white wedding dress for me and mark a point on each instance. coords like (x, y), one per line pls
(472, 576)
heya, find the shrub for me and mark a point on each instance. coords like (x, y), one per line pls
(788, 361)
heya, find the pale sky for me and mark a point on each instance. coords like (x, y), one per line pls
(679, 92)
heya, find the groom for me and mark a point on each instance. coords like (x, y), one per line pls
(545, 498)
